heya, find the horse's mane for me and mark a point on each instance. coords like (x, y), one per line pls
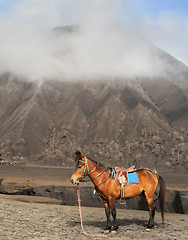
(97, 163)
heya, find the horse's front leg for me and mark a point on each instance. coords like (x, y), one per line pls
(113, 211)
(107, 211)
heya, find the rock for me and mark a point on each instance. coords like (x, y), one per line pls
(148, 229)
(184, 201)
(168, 164)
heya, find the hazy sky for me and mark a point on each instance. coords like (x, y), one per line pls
(110, 41)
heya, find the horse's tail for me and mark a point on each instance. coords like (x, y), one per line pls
(162, 196)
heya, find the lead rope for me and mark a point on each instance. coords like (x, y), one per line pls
(80, 211)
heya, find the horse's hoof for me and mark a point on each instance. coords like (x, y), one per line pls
(150, 226)
(113, 231)
(106, 231)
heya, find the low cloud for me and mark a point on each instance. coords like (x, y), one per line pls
(104, 41)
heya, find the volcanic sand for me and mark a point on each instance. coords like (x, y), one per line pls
(31, 217)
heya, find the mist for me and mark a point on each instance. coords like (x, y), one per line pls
(105, 41)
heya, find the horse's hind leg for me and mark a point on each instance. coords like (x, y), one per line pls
(151, 212)
(151, 206)
(143, 196)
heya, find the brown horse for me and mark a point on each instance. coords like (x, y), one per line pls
(108, 189)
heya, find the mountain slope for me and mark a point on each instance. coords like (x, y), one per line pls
(117, 122)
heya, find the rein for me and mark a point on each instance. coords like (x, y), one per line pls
(94, 177)
(87, 167)
(103, 180)
(81, 220)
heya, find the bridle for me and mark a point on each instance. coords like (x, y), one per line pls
(85, 162)
(86, 166)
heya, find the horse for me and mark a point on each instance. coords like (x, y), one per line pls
(108, 189)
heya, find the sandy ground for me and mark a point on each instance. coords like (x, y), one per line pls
(29, 221)
(31, 217)
(41, 176)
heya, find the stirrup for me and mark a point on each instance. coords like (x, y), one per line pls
(122, 190)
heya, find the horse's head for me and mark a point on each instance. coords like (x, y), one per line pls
(82, 168)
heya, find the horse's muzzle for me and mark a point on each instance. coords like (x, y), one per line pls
(75, 181)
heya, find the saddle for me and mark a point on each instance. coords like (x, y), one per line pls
(122, 176)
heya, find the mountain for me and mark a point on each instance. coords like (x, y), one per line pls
(125, 121)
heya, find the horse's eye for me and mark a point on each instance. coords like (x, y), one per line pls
(79, 166)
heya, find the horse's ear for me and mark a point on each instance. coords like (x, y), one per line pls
(77, 156)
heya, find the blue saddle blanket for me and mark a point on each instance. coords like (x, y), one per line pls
(132, 178)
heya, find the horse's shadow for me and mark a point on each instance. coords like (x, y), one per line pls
(102, 224)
